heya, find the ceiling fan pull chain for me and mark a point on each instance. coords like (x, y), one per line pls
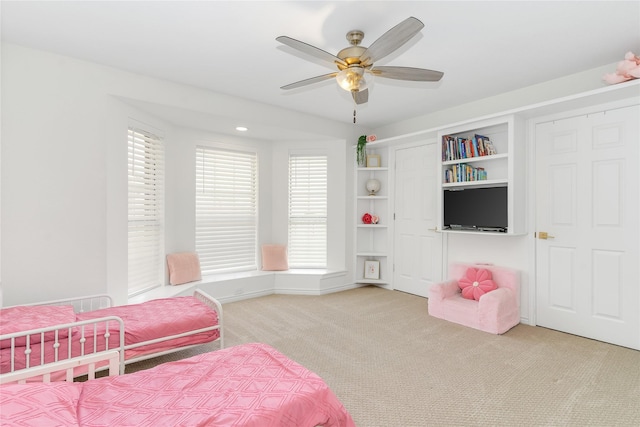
(354, 115)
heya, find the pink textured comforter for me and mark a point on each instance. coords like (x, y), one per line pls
(143, 322)
(161, 318)
(247, 385)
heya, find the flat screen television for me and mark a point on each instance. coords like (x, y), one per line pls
(482, 209)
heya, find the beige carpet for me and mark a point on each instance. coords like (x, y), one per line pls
(391, 364)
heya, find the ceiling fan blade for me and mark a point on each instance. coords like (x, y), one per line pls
(361, 96)
(407, 73)
(310, 81)
(392, 40)
(310, 50)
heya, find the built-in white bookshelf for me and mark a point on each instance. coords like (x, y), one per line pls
(372, 241)
(483, 155)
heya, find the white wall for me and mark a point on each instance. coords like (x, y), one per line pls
(64, 178)
(54, 172)
(530, 95)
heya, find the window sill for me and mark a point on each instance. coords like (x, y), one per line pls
(307, 281)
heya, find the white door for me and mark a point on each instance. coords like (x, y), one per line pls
(587, 195)
(417, 246)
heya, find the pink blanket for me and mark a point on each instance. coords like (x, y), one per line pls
(161, 318)
(143, 322)
(247, 385)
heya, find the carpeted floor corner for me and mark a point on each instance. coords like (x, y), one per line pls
(391, 364)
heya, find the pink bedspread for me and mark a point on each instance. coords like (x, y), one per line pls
(161, 318)
(247, 385)
(143, 322)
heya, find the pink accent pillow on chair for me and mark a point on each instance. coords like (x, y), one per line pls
(476, 282)
(274, 258)
(184, 267)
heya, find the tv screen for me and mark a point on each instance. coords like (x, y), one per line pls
(476, 208)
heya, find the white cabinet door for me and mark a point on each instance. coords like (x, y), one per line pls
(587, 193)
(417, 246)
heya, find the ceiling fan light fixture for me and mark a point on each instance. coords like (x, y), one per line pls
(353, 61)
(352, 79)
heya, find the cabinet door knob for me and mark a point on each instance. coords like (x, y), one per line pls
(544, 235)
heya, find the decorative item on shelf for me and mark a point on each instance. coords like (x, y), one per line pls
(361, 149)
(368, 218)
(373, 160)
(372, 270)
(373, 186)
(627, 69)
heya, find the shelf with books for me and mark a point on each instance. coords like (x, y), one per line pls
(462, 147)
(485, 154)
(463, 172)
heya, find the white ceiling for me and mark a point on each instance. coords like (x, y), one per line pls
(484, 48)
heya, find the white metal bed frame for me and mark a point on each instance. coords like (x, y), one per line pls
(43, 372)
(89, 329)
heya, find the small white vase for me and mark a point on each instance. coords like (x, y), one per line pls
(373, 186)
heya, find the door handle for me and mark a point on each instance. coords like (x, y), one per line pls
(544, 235)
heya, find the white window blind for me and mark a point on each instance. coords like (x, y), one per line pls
(307, 211)
(145, 211)
(226, 210)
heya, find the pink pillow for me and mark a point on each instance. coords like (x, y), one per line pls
(476, 282)
(274, 258)
(26, 317)
(184, 267)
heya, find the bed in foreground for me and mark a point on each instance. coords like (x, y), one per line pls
(246, 385)
(38, 334)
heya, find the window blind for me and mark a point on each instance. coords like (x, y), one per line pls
(145, 211)
(226, 210)
(307, 211)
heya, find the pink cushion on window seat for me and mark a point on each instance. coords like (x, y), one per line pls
(274, 258)
(184, 267)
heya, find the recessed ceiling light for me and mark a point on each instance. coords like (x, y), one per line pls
(241, 129)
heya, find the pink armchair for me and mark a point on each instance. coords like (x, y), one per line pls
(495, 312)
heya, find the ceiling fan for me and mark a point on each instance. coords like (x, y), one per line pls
(355, 61)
